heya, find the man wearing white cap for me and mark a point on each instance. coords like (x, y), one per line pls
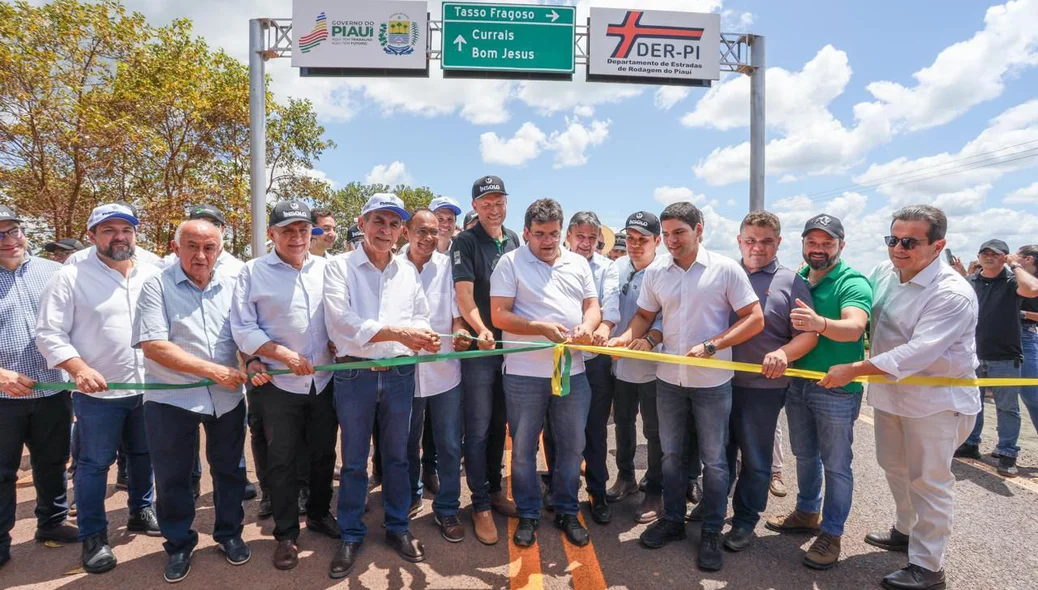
(446, 211)
(140, 255)
(84, 328)
(377, 309)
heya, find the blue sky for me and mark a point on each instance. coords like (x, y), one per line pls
(857, 92)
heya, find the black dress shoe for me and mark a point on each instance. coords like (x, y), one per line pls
(265, 509)
(97, 554)
(650, 510)
(250, 490)
(575, 532)
(304, 499)
(642, 483)
(695, 492)
(661, 532)
(374, 481)
(892, 540)
(600, 511)
(710, 557)
(121, 481)
(526, 532)
(1007, 466)
(286, 554)
(431, 482)
(326, 525)
(342, 563)
(406, 545)
(620, 489)
(415, 509)
(145, 522)
(738, 538)
(65, 532)
(236, 551)
(915, 577)
(968, 451)
(178, 567)
(695, 514)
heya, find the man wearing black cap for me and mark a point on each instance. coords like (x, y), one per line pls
(474, 255)
(471, 218)
(821, 420)
(619, 247)
(354, 237)
(277, 320)
(38, 419)
(61, 249)
(1001, 285)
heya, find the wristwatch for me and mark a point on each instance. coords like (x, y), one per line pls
(711, 349)
(652, 341)
(1015, 266)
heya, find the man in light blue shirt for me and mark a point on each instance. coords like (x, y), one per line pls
(183, 326)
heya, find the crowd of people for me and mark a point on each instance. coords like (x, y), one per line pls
(115, 316)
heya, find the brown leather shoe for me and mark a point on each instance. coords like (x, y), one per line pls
(286, 555)
(795, 522)
(450, 528)
(650, 510)
(504, 505)
(824, 552)
(486, 530)
(778, 487)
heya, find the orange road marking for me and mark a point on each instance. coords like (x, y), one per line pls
(583, 564)
(524, 563)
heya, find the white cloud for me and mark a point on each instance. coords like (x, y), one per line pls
(584, 111)
(1027, 195)
(668, 96)
(527, 143)
(569, 145)
(665, 195)
(389, 174)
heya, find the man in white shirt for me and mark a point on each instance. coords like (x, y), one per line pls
(924, 322)
(377, 309)
(696, 291)
(582, 237)
(84, 328)
(140, 255)
(322, 243)
(277, 320)
(437, 398)
(183, 327)
(542, 291)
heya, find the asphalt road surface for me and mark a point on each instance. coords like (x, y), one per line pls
(993, 545)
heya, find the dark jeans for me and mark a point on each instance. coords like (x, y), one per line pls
(103, 425)
(628, 399)
(600, 378)
(1007, 407)
(711, 408)
(428, 446)
(42, 425)
(170, 430)
(359, 395)
(297, 425)
(485, 421)
(529, 400)
(258, 442)
(443, 411)
(752, 426)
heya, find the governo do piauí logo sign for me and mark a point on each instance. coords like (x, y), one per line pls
(398, 35)
(316, 36)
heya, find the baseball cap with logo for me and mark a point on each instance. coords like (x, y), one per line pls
(386, 202)
(64, 244)
(470, 217)
(621, 242)
(111, 211)
(289, 212)
(644, 223)
(8, 214)
(207, 212)
(996, 245)
(827, 223)
(445, 203)
(353, 234)
(487, 185)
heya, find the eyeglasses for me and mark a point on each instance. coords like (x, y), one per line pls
(906, 242)
(14, 232)
(627, 285)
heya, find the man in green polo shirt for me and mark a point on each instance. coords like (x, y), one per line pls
(821, 421)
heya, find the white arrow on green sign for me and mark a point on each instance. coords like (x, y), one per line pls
(508, 38)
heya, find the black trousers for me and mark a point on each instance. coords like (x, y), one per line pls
(42, 425)
(258, 443)
(297, 425)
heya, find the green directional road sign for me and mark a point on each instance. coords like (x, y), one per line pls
(508, 38)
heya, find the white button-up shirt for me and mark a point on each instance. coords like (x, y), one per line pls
(626, 369)
(542, 292)
(607, 286)
(696, 305)
(438, 284)
(87, 311)
(361, 300)
(274, 302)
(140, 255)
(924, 327)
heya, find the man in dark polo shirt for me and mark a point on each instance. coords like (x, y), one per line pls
(1001, 284)
(758, 399)
(474, 255)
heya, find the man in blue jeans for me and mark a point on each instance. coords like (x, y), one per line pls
(821, 420)
(695, 290)
(1027, 256)
(438, 394)
(183, 326)
(538, 292)
(376, 309)
(84, 327)
(758, 399)
(1001, 285)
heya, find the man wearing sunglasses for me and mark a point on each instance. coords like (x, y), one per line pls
(1001, 285)
(821, 416)
(923, 322)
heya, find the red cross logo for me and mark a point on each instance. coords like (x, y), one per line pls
(631, 29)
